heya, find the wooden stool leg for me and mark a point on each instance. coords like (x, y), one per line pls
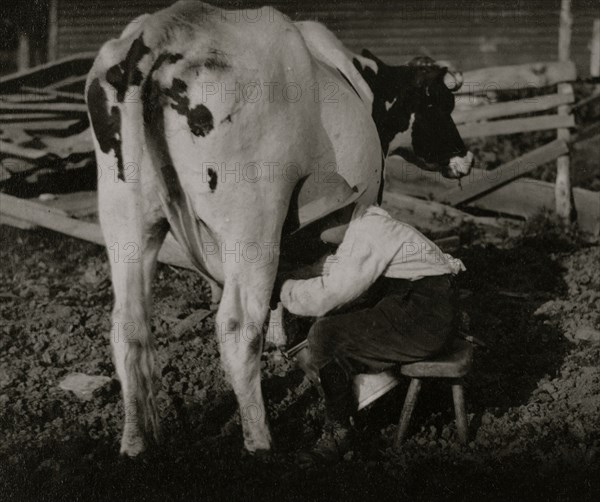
(407, 410)
(460, 411)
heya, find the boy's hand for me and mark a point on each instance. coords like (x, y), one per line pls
(279, 280)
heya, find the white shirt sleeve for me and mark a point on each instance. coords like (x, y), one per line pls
(359, 261)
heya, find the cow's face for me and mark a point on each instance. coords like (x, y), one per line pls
(412, 105)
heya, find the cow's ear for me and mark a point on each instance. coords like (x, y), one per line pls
(368, 54)
(367, 72)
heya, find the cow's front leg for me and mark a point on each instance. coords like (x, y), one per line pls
(240, 319)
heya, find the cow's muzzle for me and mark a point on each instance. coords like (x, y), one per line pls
(458, 166)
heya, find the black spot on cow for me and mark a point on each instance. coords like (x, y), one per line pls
(165, 57)
(178, 93)
(152, 92)
(126, 73)
(212, 179)
(199, 118)
(106, 125)
(172, 58)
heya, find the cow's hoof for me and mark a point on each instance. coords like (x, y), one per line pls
(132, 445)
(259, 455)
(260, 444)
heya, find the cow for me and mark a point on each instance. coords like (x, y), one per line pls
(411, 104)
(210, 123)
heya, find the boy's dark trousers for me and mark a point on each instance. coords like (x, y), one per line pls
(409, 321)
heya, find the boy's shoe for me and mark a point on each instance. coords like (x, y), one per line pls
(334, 442)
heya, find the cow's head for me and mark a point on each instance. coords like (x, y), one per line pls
(413, 103)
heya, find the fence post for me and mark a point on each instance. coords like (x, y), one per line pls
(23, 51)
(562, 193)
(595, 51)
(52, 30)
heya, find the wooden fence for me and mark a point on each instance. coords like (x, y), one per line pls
(504, 189)
(43, 118)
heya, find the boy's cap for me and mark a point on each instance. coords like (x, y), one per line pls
(315, 199)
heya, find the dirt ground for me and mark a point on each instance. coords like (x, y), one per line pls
(533, 395)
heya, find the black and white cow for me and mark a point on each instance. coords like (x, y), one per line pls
(411, 104)
(211, 121)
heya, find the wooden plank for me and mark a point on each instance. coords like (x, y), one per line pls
(585, 101)
(506, 109)
(63, 66)
(75, 204)
(20, 152)
(45, 107)
(423, 213)
(76, 143)
(407, 178)
(523, 197)
(518, 76)
(424, 208)
(54, 94)
(21, 220)
(20, 98)
(505, 173)
(498, 127)
(15, 222)
(14, 136)
(585, 133)
(43, 125)
(449, 244)
(16, 166)
(527, 197)
(54, 219)
(74, 79)
(48, 217)
(5, 173)
(10, 117)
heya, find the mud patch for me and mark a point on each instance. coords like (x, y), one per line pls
(532, 396)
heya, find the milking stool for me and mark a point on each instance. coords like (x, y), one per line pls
(451, 366)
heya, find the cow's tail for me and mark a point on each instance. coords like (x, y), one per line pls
(116, 110)
(140, 361)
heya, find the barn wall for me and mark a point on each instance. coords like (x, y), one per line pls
(471, 33)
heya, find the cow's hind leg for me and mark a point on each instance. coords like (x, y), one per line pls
(240, 319)
(133, 243)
